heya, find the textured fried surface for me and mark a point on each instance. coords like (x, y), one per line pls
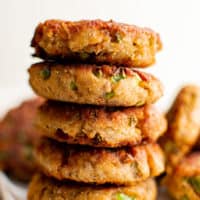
(97, 85)
(183, 124)
(17, 136)
(99, 165)
(197, 145)
(96, 41)
(43, 188)
(184, 182)
(99, 126)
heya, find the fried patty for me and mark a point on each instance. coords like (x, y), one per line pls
(99, 126)
(17, 136)
(183, 124)
(99, 165)
(184, 182)
(43, 188)
(96, 41)
(97, 85)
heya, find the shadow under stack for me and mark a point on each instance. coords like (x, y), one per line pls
(99, 127)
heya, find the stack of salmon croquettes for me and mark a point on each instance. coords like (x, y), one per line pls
(99, 127)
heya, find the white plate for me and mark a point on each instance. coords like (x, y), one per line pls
(10, 190)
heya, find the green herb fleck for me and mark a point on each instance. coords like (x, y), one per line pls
(195, 183)
(109, 95)
(170, 147)
(118, 77)
(98, 73)
(45, 73)
(132, 121)
(73, 86)
(3, 155)
(84, 56)
(97, 139)
(21, 137)
(136, 167)
(140, 103)
(122, 196)
(184, 197)
(28, 151)
(137, 78)
(118, 37)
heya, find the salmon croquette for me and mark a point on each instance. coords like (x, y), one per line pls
(96, 41)
(17, 136)
(123, 166)
(43, 188)
(183, 125)
(100, 126)
(184, 182)
(97, 85)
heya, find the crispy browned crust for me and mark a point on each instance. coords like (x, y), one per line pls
(43, 188)
(96, 41)
(185, 178)
(99, 165)
(99, 126)
(17, 136)
(197, 144)
(183, 124)
(97, 85)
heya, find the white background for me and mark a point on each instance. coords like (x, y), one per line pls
(177, 21)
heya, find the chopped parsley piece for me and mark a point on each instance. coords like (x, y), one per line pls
(3, 155)
(28, 148)
(73, 86)
(195, 183)
(118, 77)
(122, 196)
(184, 197)
(132, 121)
(84, 56)
(45, 73)
(109, 95)
(139, 103)
(21, 137)
(97, 139)
(170, 147)
(98, 73)
(118, 37)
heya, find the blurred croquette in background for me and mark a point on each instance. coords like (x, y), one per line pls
(17, 137)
